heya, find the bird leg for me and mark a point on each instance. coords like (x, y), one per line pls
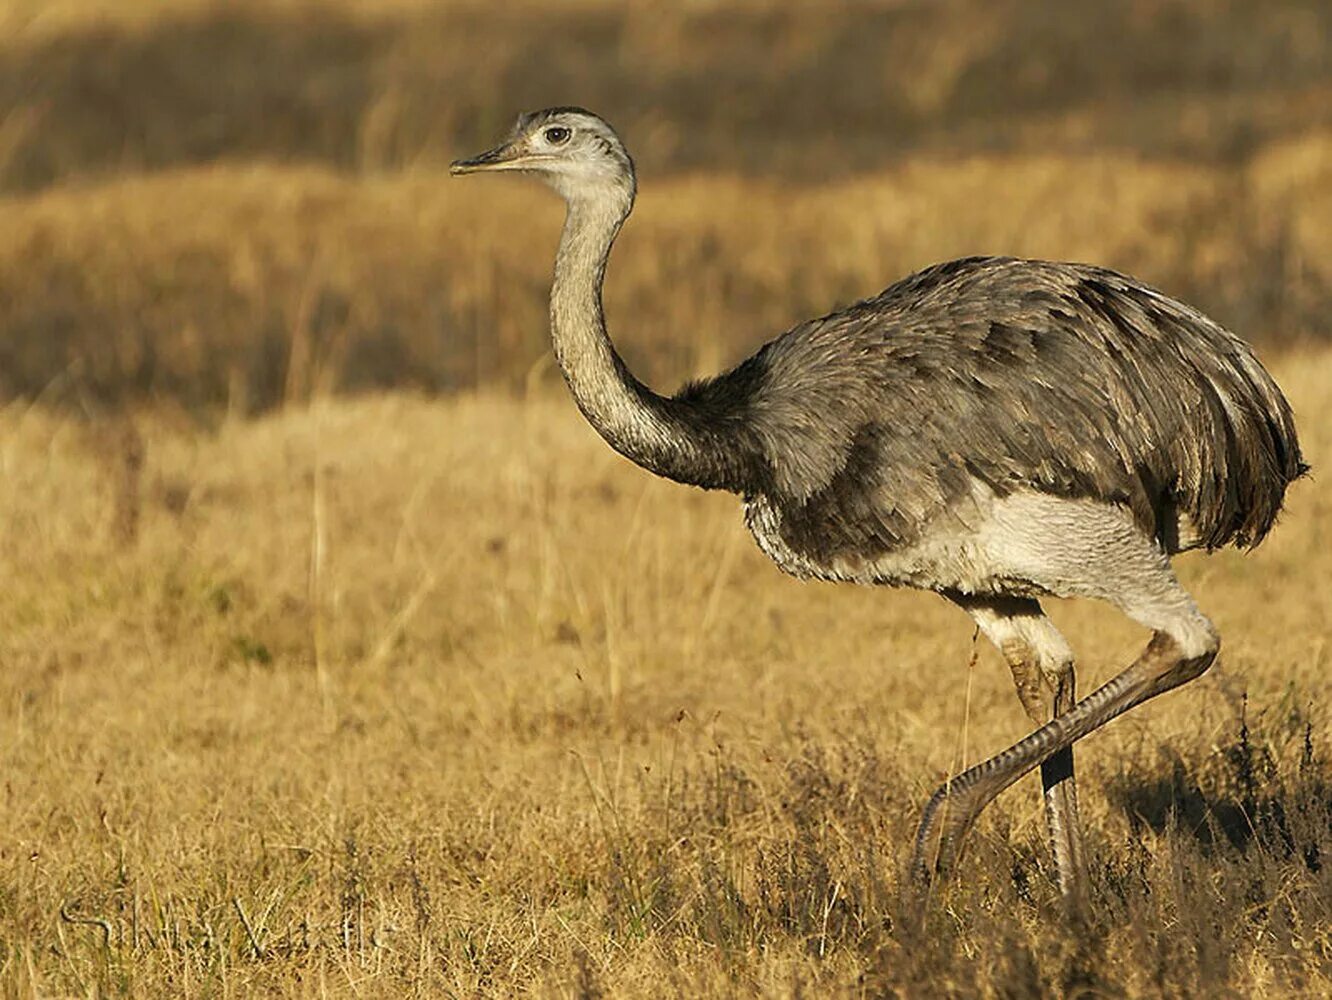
(1163, 665)
(1061, 802)
(1047, 692)
(1042, 666)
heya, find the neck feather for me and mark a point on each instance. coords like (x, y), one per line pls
(671, 437)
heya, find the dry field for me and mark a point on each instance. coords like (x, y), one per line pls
(237, 204)
(394, 697)
(241, 287)
(338, 657)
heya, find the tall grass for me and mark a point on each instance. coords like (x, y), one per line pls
(244, 204)
(399, 697)
(308, 687)
(803, 91)
(254, 286)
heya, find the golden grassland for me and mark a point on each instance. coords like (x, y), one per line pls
(241, 204)
(385, 694)
(251, 285)
(822, 89)
(399, 697)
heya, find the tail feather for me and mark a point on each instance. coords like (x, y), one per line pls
(1257, 459)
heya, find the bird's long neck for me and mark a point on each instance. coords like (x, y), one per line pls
(666, 436)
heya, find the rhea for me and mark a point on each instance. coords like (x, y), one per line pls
(991, 429)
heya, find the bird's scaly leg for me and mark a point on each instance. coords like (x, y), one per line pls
(1043, 673)
(1163, 665)
(1046, 694)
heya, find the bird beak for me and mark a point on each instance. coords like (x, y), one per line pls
(503, 157)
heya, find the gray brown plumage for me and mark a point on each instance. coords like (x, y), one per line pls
(990, 428)
(1066, 378)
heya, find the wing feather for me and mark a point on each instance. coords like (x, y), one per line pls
(1065, 378)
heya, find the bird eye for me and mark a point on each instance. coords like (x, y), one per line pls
(557, 134)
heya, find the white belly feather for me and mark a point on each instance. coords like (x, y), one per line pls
(1026, 543)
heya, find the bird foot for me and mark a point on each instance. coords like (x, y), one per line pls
(943, 828)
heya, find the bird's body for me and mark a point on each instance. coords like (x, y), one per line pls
(993, 429)
(958, 392)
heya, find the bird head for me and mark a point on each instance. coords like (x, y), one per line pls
(572, 150)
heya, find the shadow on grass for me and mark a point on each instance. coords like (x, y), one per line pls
(1224, 870)
(1246, 797)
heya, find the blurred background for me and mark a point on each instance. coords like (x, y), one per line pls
(231, 206)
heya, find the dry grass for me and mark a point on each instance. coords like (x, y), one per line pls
(249, 286)
(397, 697)
(402, 696)
(810, 90)
(242, 204)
